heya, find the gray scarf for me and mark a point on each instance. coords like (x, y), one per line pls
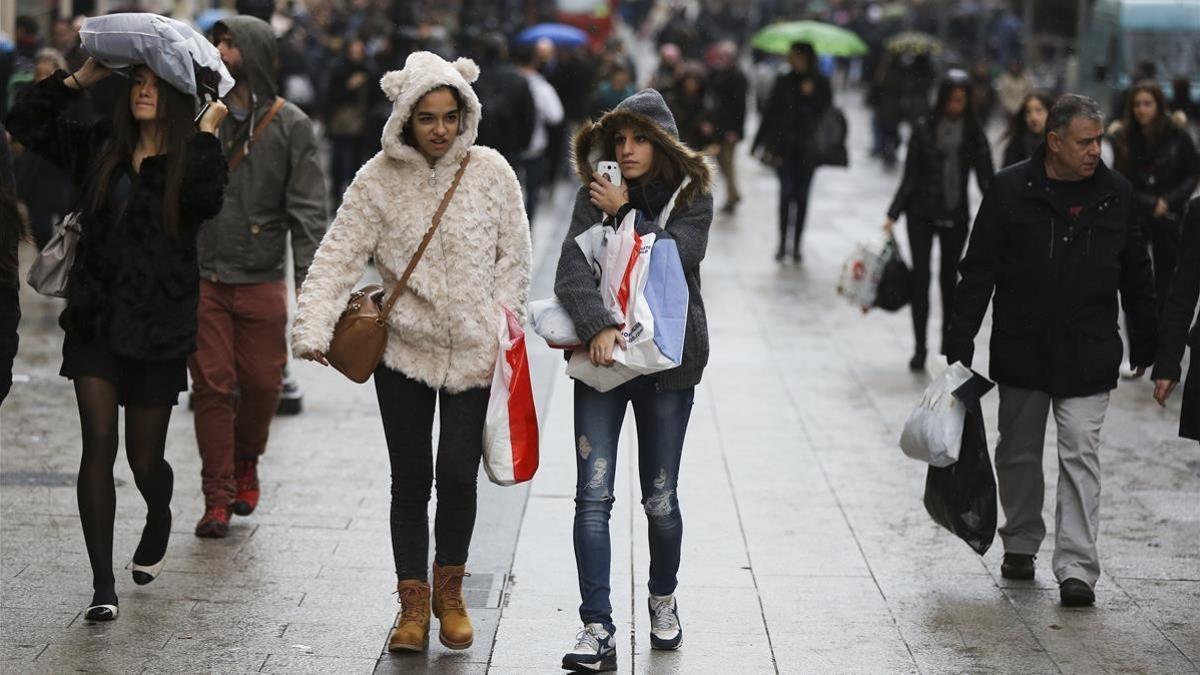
(949, 143)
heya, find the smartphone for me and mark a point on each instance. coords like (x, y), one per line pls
(610, 170)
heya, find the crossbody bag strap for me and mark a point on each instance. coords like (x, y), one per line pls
(437, 219)
(240, 154)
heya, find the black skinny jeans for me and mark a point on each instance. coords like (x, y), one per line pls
(795, 186)
(952, 240)
(406, 407)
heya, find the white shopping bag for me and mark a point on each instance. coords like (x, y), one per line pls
(933, 432)
(641, 355)
(510, 432)
(549, 319)
(862, 271)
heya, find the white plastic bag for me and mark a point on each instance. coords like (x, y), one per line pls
(549, 319)
(934, 431)
(862, 271)
(171, 48)
(510, 432)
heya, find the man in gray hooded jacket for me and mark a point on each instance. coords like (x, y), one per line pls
(276, 188)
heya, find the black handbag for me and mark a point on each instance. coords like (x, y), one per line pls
(830, 139)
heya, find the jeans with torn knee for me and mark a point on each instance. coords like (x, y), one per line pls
(662, 419)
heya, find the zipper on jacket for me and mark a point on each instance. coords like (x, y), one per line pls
(449, 330)
(432, 177)
(1053, 234)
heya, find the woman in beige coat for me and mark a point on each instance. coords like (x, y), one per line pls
(442, 331)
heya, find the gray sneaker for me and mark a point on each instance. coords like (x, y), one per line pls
(593, 653)
(665, 631)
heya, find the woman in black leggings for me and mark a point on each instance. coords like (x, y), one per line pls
(944, 147)
(149, 181)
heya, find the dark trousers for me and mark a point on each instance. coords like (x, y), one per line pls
(951, 240)
(406, 407)
(533, 177)
(1164, 238)
(795, 183)
(662, 419)
(344, 163)
(237, 374)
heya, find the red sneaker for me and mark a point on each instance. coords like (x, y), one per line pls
(215, 523)
(246, 500)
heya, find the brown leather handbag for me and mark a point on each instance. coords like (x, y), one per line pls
(361, 334)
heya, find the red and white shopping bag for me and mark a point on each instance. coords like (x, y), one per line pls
(510, 433)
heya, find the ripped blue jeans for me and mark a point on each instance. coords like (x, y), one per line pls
(662, 419)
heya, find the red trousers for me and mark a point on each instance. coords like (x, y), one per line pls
(237, 374)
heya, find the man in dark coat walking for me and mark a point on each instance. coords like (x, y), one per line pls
(729, 87)
(1180, 307)
(1057, 239)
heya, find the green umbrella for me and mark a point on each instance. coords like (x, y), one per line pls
(913, 42)
(825, 38)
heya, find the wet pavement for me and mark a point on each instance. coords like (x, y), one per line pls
(806, 546)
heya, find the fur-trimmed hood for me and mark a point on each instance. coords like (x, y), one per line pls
(422, 73)
(641, 111)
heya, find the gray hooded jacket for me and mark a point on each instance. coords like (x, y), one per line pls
(278, 187)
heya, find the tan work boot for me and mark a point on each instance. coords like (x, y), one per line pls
(410, 632)
(450, 609)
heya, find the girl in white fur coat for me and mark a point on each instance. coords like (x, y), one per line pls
(442, 330)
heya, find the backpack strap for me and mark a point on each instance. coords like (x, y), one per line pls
(244, 150)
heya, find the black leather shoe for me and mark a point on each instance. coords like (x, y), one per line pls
(1076, 593)
(1017, 566)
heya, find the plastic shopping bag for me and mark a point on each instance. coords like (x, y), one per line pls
(549, 319)
(667, 296)
(510, 434)
(962, 497)
(894, 289)
(933, 432)
(640, 356)
(862, 271)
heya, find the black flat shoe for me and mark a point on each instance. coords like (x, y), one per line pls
(155, 537)
(1076, 593)
(101, 609)
(1017, 566)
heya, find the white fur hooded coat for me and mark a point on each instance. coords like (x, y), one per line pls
(443, 329)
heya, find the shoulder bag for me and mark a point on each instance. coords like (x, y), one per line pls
(360, 336)
(51, 269)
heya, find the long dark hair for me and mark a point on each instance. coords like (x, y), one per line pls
(666, 167)
(1132, 132)
(1016, 123)
(175, 113)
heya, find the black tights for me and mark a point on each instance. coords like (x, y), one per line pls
(951, 240)
(145, 445)
(407, 408)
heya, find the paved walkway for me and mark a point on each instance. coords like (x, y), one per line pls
(806, 545)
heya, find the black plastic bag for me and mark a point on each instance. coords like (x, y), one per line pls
(962, 497)
(895, 283)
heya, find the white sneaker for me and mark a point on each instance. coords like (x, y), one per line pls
(665, 631)
(593, 653)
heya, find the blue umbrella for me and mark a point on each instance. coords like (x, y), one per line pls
(560, 34)
(208, 18)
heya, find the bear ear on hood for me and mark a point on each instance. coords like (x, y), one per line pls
(467, 68)
(393, 83)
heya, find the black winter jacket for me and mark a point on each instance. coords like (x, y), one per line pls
(1056, 282)
(1181, 305)
(132, 285)
(791, 117)
(1168, 170)
(920, 192)
(729, 89)
(1020, 148)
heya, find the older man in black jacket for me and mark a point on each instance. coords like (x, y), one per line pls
(1056, 240)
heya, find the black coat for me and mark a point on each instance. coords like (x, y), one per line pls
(132, 284)
(1055, 284)
(1168, 170)
(791, 117)
(509, 113)
(1178, 314)
(729, 89)
(1020, 148)
(920, 192)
